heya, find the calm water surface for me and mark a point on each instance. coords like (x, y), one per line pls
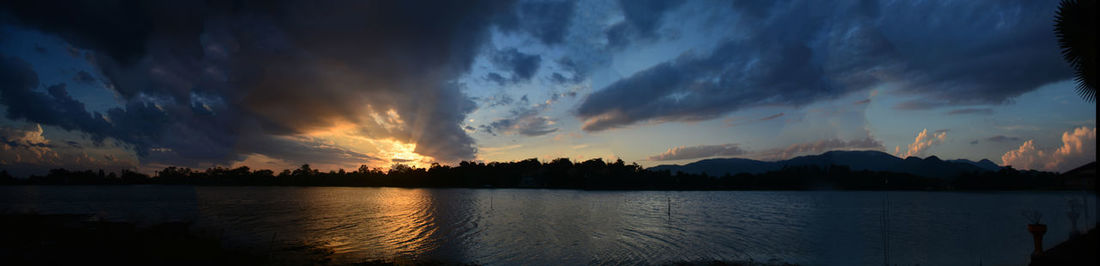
(506, 226)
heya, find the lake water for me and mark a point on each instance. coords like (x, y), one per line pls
(505, 226)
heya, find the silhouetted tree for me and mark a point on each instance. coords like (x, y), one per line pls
(1075, 26)
(557, 173)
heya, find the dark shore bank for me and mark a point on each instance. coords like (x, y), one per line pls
(1079, 250)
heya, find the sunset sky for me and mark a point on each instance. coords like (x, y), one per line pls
(144, 85)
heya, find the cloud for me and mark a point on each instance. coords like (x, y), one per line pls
(25, 151)
(570, 68)
(695, 152)
(764, 68)
(965, 111)
(206, 79)
(693, 88)
(739, 121)
(1002, 138)
(770, 117)
(502, 99)
(300, 150)
(919, 104)
(571, 135)
(523, 66)
(25, 145)
(547, 21)
(55, 107)
(501, 148)
(923, 142)
(1078, 148)
(84, 77)
(817, 147)
(524, 121)
(797, 53)
(641, 19)
(527, 120)
(946, 62)
(797, 149)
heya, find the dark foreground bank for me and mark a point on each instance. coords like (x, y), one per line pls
(1079, 250)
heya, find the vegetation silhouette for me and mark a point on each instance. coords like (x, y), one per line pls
(562, 173)
(1075, 26)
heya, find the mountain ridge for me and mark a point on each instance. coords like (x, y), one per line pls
(869, 160)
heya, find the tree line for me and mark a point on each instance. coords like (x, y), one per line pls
(560, 173)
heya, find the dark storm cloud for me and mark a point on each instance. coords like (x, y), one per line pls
(641, 19)
(974, 52)
(797, 52)
(212, 83)
(141, 125)
(118, 29)
(523, 66)
(17, 92)
(547, 21)
(691, 87)
(83, 77)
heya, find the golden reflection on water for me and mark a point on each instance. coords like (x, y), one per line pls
(389, 224)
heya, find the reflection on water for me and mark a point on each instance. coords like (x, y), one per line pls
(582, 227)
(345, 222)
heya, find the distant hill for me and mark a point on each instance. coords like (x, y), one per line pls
(722, 166)
(857, 160)
(984, 164)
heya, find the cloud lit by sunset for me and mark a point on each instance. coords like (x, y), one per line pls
(340, 85)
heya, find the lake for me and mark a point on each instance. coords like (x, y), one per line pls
(516, 226)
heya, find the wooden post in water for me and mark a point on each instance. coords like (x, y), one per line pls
(885, 223)
(271, 246)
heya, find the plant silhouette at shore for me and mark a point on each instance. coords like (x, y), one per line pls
(1075, 26)
(559, 174)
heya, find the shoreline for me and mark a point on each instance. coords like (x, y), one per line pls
(1090, 191)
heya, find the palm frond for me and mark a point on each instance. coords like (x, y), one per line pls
(1075, 27)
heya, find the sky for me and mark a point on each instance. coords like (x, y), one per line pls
(143, 85)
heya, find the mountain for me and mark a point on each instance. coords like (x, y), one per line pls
(721, 166)
(984, 164)
(856, 160)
